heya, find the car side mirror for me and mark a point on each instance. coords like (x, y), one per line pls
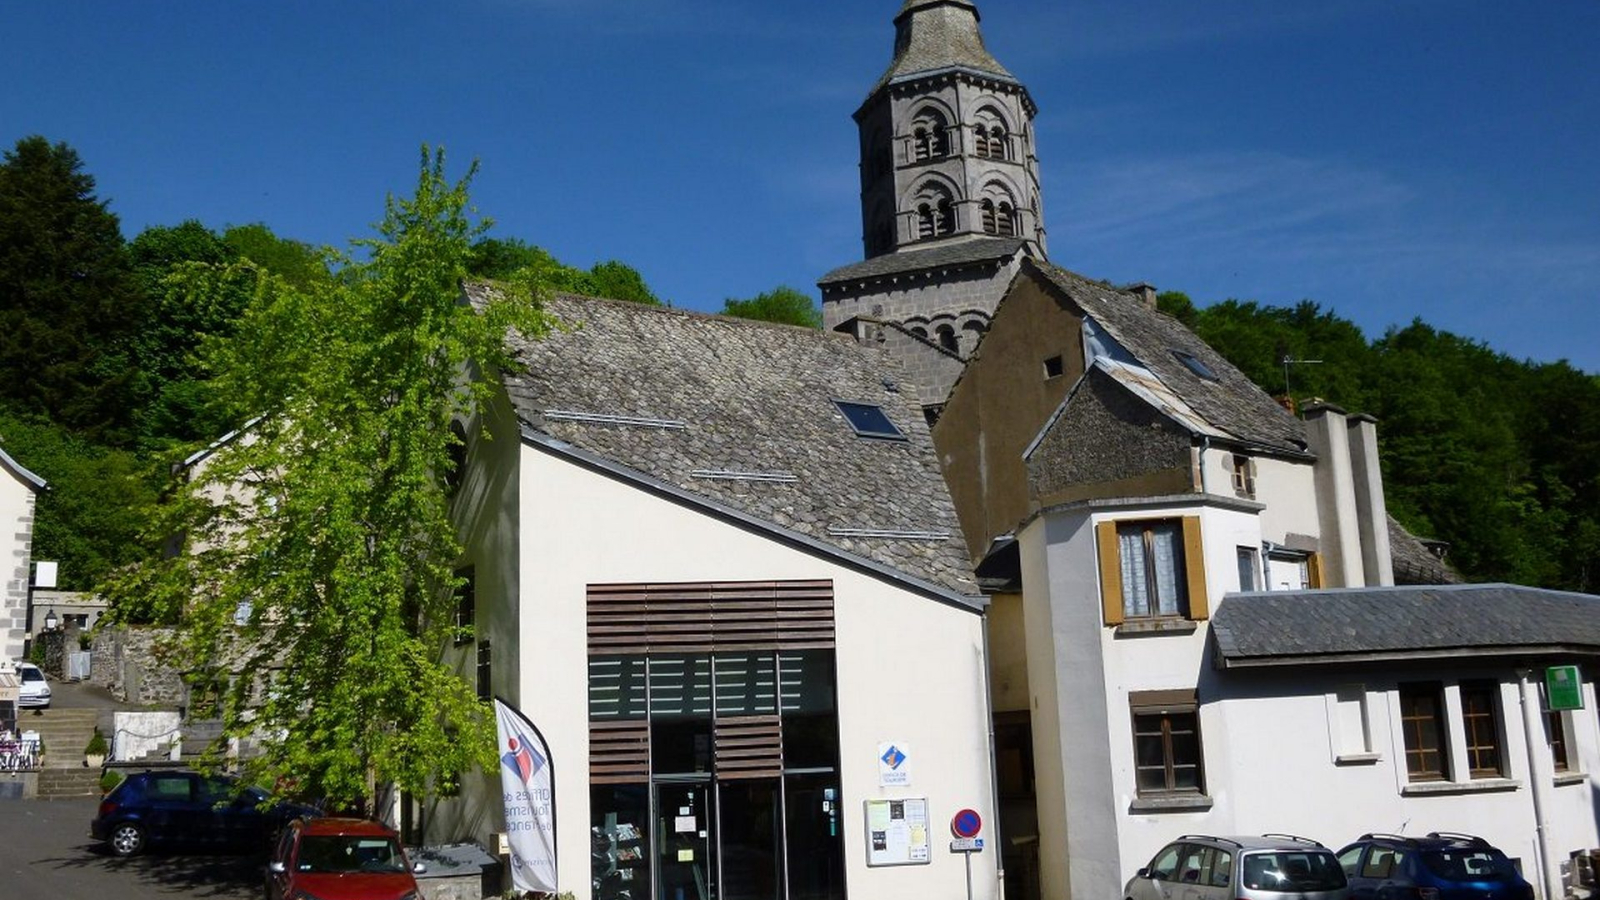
(419, 869)
(1143, 872)
(277, 868)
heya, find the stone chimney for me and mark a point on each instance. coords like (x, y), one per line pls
(1371, 511)
(1145, 291)
(1338, 516)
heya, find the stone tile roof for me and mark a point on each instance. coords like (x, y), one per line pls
(943, 34)
(1399, 622)
(954, 253)
(740, 415)
(1414, 563)
(1232, 403)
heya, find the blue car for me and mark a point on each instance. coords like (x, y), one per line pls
(1441, 866)
(170, 807)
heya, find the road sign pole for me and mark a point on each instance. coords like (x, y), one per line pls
(969, 874)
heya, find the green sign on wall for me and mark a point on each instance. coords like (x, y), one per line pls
(1563, 687)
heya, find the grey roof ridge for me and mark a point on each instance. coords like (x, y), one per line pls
(665, 310)
(917, 252)
(1412, 588)
(605, 466)
(194, 458)
(22, 472)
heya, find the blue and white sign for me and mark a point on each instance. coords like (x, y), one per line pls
(528, 781)
(894, 764)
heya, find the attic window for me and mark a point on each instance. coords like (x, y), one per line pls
(869, 420)
(1194, 364)
(1053, 367)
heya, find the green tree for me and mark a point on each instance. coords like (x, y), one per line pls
(68, 307)
(298, 263)
(90, 516)
(783, 304)
(496, 258)
(327, 518)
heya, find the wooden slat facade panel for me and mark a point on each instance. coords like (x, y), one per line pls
(748, 747)
(619, 751)
(629, 619)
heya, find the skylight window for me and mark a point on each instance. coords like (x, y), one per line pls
(1194, 364)
(868, 420)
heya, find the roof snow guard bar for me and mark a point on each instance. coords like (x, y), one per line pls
(567, 415)
(890, 534)
(723, 475)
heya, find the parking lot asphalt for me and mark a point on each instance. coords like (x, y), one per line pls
(46, 854)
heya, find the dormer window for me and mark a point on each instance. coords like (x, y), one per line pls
(869, 420)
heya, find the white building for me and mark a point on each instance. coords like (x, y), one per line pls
(19, 490)
(1195, 603)
(714, 562)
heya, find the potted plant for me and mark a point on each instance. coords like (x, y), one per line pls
(94, 755)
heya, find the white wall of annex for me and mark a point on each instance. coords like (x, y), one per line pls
(910, 669)
(16, 539)
(1287, 489)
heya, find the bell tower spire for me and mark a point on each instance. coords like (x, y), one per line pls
(950, 198)
(946, 138)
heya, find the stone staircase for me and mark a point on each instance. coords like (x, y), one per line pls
(65, 732)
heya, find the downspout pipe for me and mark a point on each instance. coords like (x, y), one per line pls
(994, 763)
(1539, 780)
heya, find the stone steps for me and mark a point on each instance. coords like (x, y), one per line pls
(65, 732)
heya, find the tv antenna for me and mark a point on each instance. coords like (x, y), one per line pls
(1291, 361)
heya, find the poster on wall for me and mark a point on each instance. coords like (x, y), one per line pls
(897, 832)
(894, 764)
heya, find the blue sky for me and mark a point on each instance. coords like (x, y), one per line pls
(1389, 159)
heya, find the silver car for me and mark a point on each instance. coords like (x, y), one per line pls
(1262, 867)
(35, 693)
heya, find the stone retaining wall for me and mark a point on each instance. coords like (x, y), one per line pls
(126, 661)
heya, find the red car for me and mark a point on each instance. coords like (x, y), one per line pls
(340, 859)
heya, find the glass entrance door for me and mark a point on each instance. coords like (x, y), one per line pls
(685, 869)
(749, 840)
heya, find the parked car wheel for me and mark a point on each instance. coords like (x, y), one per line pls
(127, 839)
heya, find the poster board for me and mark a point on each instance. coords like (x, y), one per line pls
(1563, 688)
(897, 832)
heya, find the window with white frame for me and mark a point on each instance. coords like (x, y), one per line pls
(1292, 570)
(1249, 569)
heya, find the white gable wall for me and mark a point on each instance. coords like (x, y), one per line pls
(16, 548)
(910, 668)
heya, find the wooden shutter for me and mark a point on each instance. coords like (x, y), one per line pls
(1314, 570)
(1105, 536)
(710, 617)
(1194, 564)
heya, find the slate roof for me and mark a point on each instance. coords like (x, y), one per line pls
(955, 253)
(944, 34)
(739, 416)
(1232, 404)
(1263, 628)
(1413, 562)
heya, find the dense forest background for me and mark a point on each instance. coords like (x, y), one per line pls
(103, 384)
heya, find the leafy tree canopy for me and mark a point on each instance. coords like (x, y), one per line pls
(1499, 457)
(68, 306)
(783, 304)
(495, 258)
(320, 552)
(89, 518)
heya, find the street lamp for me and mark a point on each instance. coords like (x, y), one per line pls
(50, 620)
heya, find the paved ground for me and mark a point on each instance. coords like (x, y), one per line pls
(46, 854)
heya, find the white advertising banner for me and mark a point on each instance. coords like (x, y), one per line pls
(528, 781)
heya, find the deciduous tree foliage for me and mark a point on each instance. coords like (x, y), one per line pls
(1497, 456)
(495, 258)
(318, 565)
(783, 304)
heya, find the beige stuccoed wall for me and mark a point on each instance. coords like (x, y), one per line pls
(910, 668)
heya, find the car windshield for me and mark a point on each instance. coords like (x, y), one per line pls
(32, 675)
(1477, 864)
(348, 853)
(1293, 870)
